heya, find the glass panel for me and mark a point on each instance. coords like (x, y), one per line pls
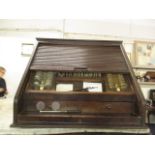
(116, 82)
(40, 80)
(78, 82)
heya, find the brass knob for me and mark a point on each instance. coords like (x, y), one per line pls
(108, 106)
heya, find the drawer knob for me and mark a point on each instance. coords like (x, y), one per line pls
(108, 106)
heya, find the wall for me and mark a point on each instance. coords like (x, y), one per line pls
(11, 59)
(15, 32)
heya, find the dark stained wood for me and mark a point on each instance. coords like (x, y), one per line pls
(140, 98)
(104, 109)
(81, 121)
(86, 56)
(106, 96)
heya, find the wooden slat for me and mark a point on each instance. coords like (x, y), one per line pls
(80, 96)
(103, 58)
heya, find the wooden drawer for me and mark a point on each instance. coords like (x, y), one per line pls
(79, 107)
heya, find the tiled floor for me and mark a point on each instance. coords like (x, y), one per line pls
(6, 116)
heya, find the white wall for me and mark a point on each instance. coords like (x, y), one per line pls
(15, 32)
(11, 59)
(126, 29)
